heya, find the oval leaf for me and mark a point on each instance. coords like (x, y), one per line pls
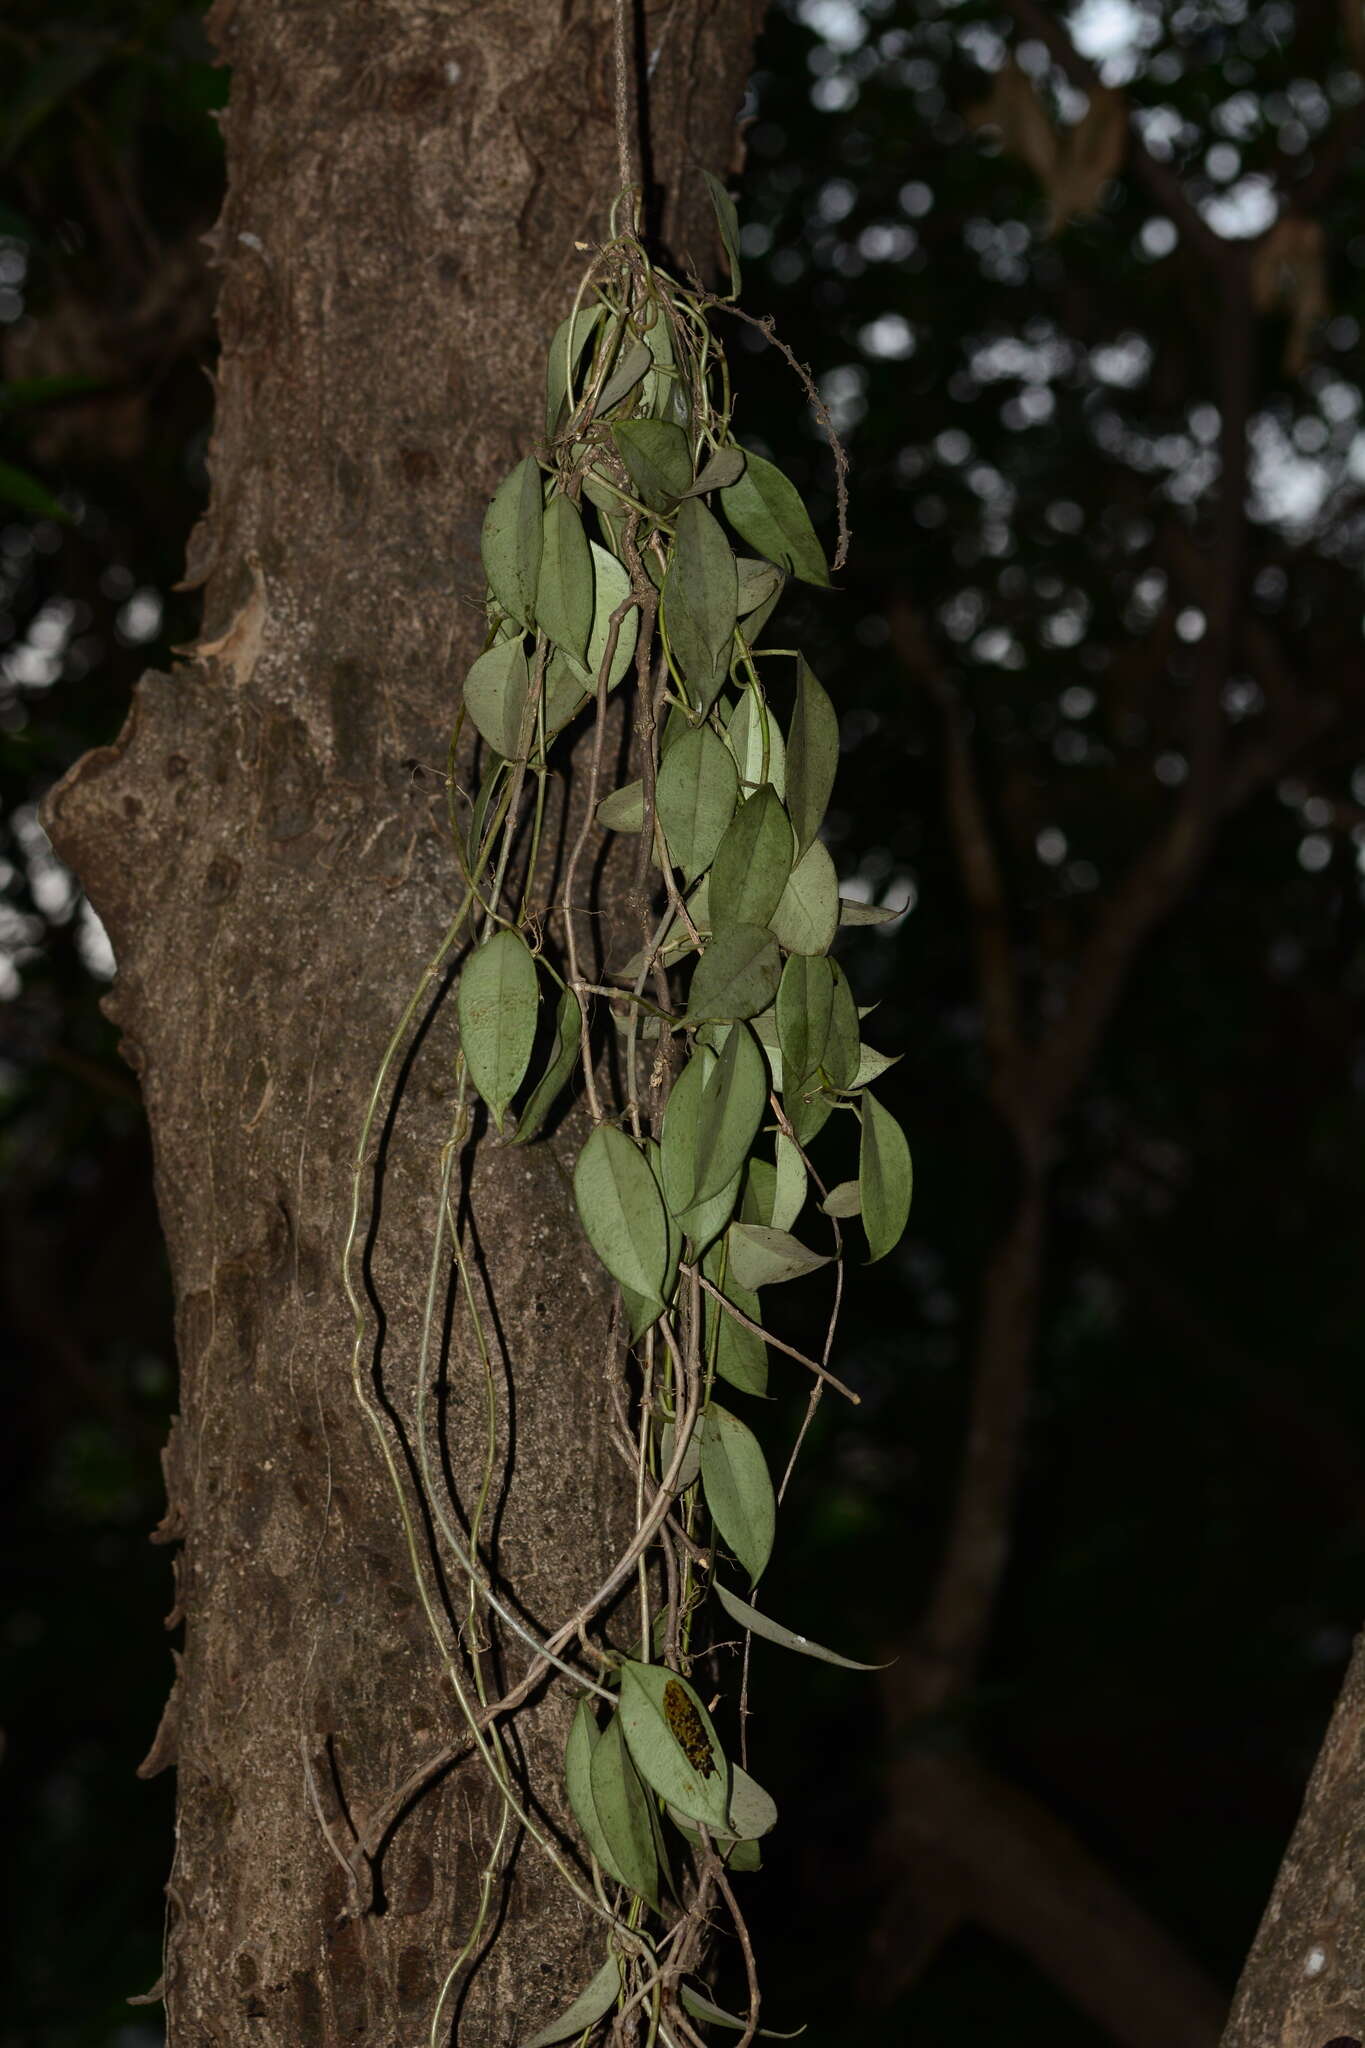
(563, 1056)
(696, 794)
(749, 1617)
(567, 346)
(731, 1110)
(765, 508)
(564, 589)
(727, 220)
(629, 368)
(498, 1000)
(673, 1742)
(737, 975)
(657, 458)
(511, 541)
(805, 1003)
(843, 1200)
(584, 1736)
(622, 1807)
(739, 1493)
(761, 1257)
(741, 1355)
(885, 1179)
(723, 466)
(753, 862)
(812, 755)
(624, 809)
(807, 916)
(623, 1213)
(750, 723)
(495, 694)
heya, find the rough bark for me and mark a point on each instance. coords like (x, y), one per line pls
(265, 843)
(1304, 1982)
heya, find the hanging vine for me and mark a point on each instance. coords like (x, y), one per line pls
(642, 540)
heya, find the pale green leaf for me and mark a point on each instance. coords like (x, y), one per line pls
(731, 1110)
(624, 809)
(807, 914)
(812, 757)
(623, 1212)
(840, 1056)
(753, 1812)
(495, 694)
(512, 541)
(764, 1028)
(761, 1256)
(678, 1135)
(738, 1490)
(755, 739)
(752, 863)
(727, 220)
(691, 1457)
(843, 1200)
(658, 460)
(584, 1737)
(735, 1855)
(622, 1807)
(736, 976)
(871, 1064)
(569, 683)
(749, 1617)
(805, 1003)
(789, 1192)
(704, 1221)
(561, 1063)
(885, 1178)
(852, 913)
(497, 1005)
(626, 372)
(723, 466)
(696, 794)
(567, 346)
(564, 591)
(741, 1355)
(590, 2006)
(765, 509)
(700, 601)
(702, 2008)
(759, 583)
(673, 1742)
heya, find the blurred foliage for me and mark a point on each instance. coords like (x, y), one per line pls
(1030, 407)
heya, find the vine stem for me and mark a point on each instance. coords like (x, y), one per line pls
(625, 150)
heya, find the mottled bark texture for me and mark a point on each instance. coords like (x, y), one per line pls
(265, 843)
(1304, 1983)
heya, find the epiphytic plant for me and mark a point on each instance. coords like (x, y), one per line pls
(641, 540)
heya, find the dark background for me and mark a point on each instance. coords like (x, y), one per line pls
(1030, 397)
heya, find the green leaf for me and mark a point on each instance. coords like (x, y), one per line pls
(812, 756)
(749, 722)
(673, 1742)
(658, 460)
(723, 466)
(584, 1736)
(844, 1200)
(885, 1179)
(565, 589)
(807, 914)
(731, 1109)
(752, 863)
(678, 1135)
(623, 1213)
(702, 2008)
(735, 1854)
(696, 794)
(759, 583)
(629, 368)
(559, 1067)
(570, 682)
(622, 1807)
(765, 508)
(872, 1064)
(805, 1004)
(700, 601)
(761, 1256)
(588, 2008)
(851, 913)
(739, 1493)
(624, 809)
(749, 1617)
(727, 220)
(498, 1000)
(512, 541)
(495, 694)
(741, 1356)
(736, 976)
(565, 349)
(840, 1056)
(691, 1457)
(789, 1193)
(753, 1812)
(704, 1221)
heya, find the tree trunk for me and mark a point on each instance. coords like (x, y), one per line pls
(267, 846)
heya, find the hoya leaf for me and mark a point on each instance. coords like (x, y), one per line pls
(805, 1002)
(610, 588)
(749, 1617)
(629, 368)
(753, 1812)
(702, 2008)
(497, 1008)
(559, 1067)
(737, 975)
(691, 1457)
(622, 1212)
(765, 508)
(654, 1154)
(622, 1807)
(704, 1221)
(807, 916)
(809, 1107)
(840, 1056)
(701, 597)
(738, 1490)
(624, 809)
(755, 739)
(512, 541)
(759, 583)
(723, 466)
(885, 1178)
(753, 862)
(673, 1742)
(584, 1737)
(764, 1028)
(851, 913)
(588, 2008)
(741, 1355)
(564, 591)
(812, 756)
(495, 694)
(761, 1256)
(871, 1064)
(696, 794)
(727, 220)
(661, 394)
(843, 1200)
(760, 1192)
(678, 1136)
(735, 1854)
(730, 1112)
(658, 459)
(789, 1192)
(567, 346)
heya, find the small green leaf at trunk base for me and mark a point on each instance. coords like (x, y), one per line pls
(497, 1005)
(622, 1212)
(765, 509)
(512, 540)
(885, 1179)
(738, 1490)
(673, 1743)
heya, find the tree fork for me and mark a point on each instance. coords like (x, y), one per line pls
(266, 845)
